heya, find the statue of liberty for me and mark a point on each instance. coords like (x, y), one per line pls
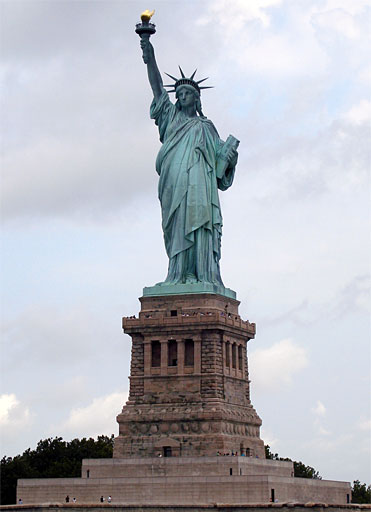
(193, 163)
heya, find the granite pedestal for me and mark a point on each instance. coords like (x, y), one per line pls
(189, 434)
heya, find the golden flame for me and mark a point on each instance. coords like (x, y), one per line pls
(147, 15)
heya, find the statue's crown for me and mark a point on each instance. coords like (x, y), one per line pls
(183, 80)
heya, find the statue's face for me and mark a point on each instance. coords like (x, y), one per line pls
(186, 97)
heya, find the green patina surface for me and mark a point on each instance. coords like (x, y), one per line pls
(193, 164)
(176, 289)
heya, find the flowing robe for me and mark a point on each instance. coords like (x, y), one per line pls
(188, 193)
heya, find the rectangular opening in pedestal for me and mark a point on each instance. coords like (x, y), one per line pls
(189, 353)
(172, 353)
(173, 312)
(240, 357)
(156, 353)
(227, 354)
(234, 358)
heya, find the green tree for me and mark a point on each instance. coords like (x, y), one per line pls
(52, 458)
(361, 493)
(300, 469)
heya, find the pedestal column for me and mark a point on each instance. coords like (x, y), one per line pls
(180, 355)
(164, 356)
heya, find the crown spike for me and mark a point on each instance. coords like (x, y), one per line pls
(200, 81)
(207, 87)
(193, 74)
(181, 72)
(170, 76)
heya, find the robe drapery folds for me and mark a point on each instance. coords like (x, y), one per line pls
(188, 193)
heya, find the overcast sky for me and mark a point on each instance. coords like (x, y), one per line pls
(81, 227)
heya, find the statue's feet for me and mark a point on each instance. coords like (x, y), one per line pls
(190, 279)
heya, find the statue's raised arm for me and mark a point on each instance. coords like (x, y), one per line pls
(154, 75)
(144, 30)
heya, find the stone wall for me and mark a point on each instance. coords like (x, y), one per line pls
(258, 507)
(185, 481)
(202, 406)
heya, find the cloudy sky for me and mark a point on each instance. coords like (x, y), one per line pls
(81, 231)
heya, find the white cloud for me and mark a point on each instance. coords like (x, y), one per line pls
(95, 419)
(365, 425)
(359, 113)
(304, 166)
(339, 21)
(319, 409)
(354, 7)
(319, 412)
(300, 42)
(275, 367)
(235, 15)
(261, 48)
(13, 414)
(16, 422)
(323, 431)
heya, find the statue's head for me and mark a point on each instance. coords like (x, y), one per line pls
(190, 85)
(186, 97)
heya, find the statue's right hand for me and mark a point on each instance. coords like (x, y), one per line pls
(147, 49)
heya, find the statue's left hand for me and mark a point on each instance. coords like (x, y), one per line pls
(232, 157)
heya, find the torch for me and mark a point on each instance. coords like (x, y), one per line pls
(145, 29)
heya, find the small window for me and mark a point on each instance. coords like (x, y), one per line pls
(172, 353)
(156, 353)
(234, 356)
(273, 498)
(173, 312)
(348, 498)
(227, 354)
(88, 473)
(189, 353)
(240, 357)
(230, 471)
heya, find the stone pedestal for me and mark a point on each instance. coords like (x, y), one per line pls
(189, 386)
(189, 399)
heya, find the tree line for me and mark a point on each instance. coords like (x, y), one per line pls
(52, 458)
(55, 458)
